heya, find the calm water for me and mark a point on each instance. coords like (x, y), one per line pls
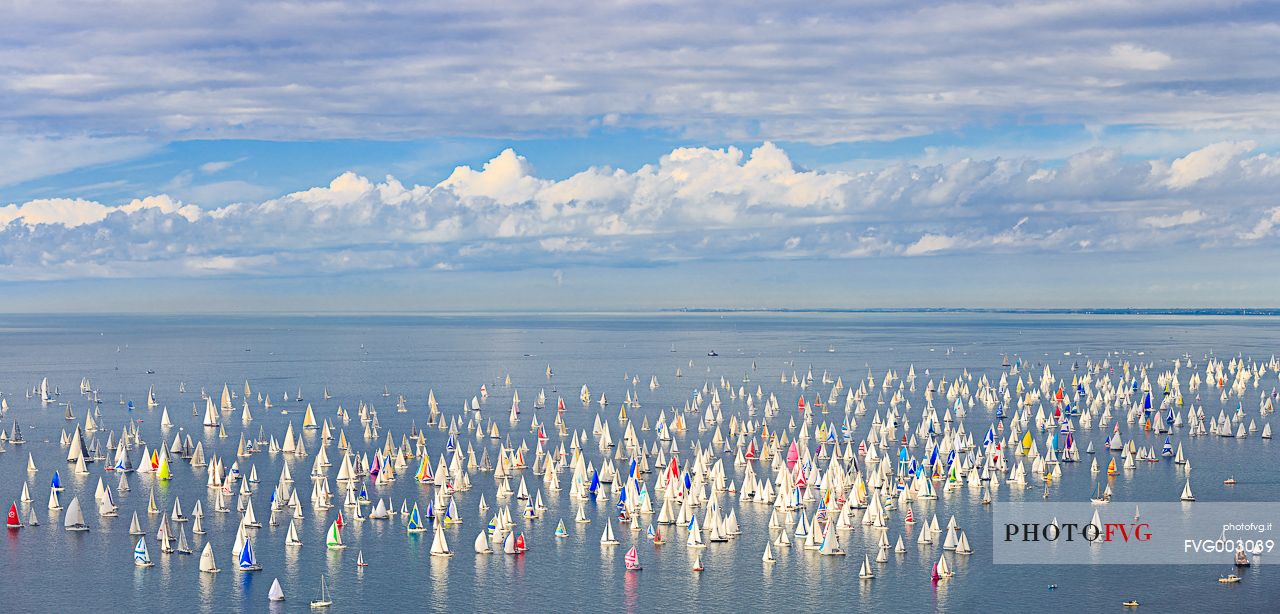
(356, 357)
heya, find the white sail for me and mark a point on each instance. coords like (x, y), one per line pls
(482, 543)
(207, 564)
(75, 517)
(439, 545)
(276, 593)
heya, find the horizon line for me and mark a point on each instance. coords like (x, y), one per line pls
(1137, 311)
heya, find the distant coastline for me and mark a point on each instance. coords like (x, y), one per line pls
(1136, 311)
(670, 311)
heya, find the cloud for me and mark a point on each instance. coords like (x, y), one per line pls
(346, 69)
(506, 179)
(1264, 227)
(1137, 57)
(23, 158)
(1206, 162)
(218, 166)
(931, 243)
(691, 204)
(1190, 216)
(73, 213)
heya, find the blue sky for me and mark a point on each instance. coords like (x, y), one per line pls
(408, 157)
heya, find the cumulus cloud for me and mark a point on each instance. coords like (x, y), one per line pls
(71, 213)
(1206, 162)
(694, 203)
(506, 180)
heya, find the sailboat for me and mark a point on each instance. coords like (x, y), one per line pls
(632, 560)
(607, 538)
(865, 573)
(1101, 498)
(360, 559)
(415, 521)
(291, 536)
(697, 563)
(334, 539)
(1186, 492)
(141, 557)
(482, 543)
(439, 545)
(276, 593)
(75, 517)
(183, 546)
(248, 562)
(13, 522)
(207, 564)
(324, 601)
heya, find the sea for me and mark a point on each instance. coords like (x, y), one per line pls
(362, 358)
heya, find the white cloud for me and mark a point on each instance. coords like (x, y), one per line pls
(64, 211)
(23, 158)
(506, 179)
(692, 204)
(71, 213)
(931, 243)
(1137, 57)
(1190, 216)
(218, 166)
(1264, 227)
(345, 69)
(1206, 162)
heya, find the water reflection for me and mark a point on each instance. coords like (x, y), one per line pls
(630, 590)
(438, 567)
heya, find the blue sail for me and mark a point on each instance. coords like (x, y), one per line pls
(246, 555)
(57, 481)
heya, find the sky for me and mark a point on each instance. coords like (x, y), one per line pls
(399, 157)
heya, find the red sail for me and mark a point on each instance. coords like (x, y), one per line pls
(13, 515)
